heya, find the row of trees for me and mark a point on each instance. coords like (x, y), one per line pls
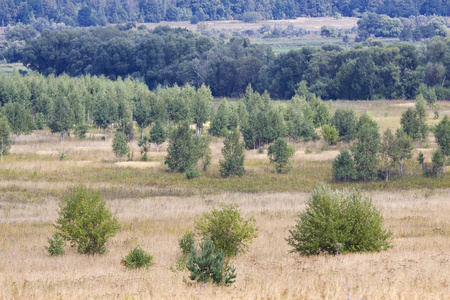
(168, 56)
(88, 13)
(370, 150)
(68, 105)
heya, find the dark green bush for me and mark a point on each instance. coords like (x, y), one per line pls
(338, 221)
(137, 258)
(227, 229)
(192, 172)
(86, 222)
(210, 265)
(186, 242)
(56, 245)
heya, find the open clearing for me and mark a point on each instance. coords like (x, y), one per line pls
(156, 207)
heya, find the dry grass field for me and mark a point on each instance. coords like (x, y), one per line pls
(312, 24)
(156, 207)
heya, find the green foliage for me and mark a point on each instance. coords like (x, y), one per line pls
(182, 151)
(438, 161)
(56, 245)
(442, 134)
(366, 148)
(343, 167)
(120, 145)
(330, 134)
(338, 221)
(204, 151)
(186, 242)
(192, 172)
(280, 154)
(81, 130)
(137, 258)
(158, 135)
(86, 222)
(344, 120)
(5, 137)
(233, 154)
(210, 265)
(144, 144)
(227, 229)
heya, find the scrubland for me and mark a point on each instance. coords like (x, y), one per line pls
(156, 207)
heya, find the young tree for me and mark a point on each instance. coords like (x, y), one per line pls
(366, 148)
(86, 222)
(5, 136)
(280, 154)
(62, 117)
(233, 154)
(442, 134)
(404, 147)
(330, 134)
(201, 107)
(345, 122)
(202, 144)
(158, 135)
(144, 143)
(182, 152)
(411, 123)
(142, 115)
(389, 150)
(221, 119)
(343, 167)
(120, 145)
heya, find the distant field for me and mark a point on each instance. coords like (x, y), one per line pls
(313, 24)
(8, 68)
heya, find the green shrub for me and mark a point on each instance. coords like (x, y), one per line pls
(137, 258)
(209, 265)
(227, 230)
(186, 242)
(192, 172)
(338, 221)
(85, 221)
(56, 245)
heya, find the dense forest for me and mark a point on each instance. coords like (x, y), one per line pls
(101, 12)
(165, 56)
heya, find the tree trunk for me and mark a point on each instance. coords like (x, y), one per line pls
(62, 136)
(157, 147)
(401, 166)
(105, 133)
(111, 130)
(387, 172)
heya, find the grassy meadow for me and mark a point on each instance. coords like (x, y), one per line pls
(155, 207)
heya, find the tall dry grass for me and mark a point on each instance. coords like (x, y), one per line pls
(416, 268)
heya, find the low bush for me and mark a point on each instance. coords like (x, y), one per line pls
(56, 245)
(192, 172)
(210, 265)
(86, 222)
(137, 258)
(227, 229)
(335, 222)
(186, 242)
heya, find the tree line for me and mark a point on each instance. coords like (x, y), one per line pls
(165, 56)
(90, 13)
(69, 105)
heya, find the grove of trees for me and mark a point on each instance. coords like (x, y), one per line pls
(91, 13)
(165, 56)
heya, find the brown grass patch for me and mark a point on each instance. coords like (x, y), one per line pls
(416, 268)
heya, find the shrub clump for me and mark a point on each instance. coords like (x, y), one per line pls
(86, 222)
(210, 265)
(137, 258)
(336, 222)
(227, 229)
(56, 245)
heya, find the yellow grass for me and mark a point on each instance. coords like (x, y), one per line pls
(417, 268)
